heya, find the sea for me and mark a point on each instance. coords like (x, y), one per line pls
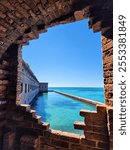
(61, 111)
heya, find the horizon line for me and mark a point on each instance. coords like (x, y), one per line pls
(77, 86)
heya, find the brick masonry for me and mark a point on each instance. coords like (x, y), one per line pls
(107, 48)
(24, 20)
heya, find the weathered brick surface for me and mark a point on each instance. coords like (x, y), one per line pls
(110, 127)
(21, 21)
(9, 140)
(96, 130)
(97, 136)
(28, 142)
(107, 47)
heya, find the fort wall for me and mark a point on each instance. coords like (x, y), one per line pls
(29, 85)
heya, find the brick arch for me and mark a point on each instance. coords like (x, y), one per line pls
(21, 21)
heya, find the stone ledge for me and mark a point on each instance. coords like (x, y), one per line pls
(83, 113)
(79, 125)
(26, 106)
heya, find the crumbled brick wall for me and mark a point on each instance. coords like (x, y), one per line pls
(24, 131)
(33, 17)
(55, 139)
(22, 127)
(21, 21)
(98, 133)
(95, 127)
(22, 124)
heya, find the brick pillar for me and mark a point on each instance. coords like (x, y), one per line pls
(8, 80)
(107, 48)
(96, 128)
(8, 75)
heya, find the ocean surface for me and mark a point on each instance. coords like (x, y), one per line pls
(93, 93)
(60, 111)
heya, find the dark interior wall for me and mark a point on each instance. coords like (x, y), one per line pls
(8, 84)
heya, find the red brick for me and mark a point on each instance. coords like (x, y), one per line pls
(109, 87)
(107, 60)
(2, 28)
(70, 137)
(108, 74)
(77, 147)
(103, 145)
(9, 138)
(95, 136)
(97, 129)
(60, 143)
(86, 142)
(98, 119)
(92, 148)
(79, 15)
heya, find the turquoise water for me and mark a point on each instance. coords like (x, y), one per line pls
(60, 111)
(96, 94)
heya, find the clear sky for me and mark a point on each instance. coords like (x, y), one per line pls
(67, 56)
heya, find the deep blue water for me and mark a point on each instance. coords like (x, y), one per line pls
(60, 111)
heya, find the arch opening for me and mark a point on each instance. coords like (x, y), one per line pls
(66, 62)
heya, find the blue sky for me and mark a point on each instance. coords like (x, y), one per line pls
(67, 56)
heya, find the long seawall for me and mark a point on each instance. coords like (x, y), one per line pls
(89, 101)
